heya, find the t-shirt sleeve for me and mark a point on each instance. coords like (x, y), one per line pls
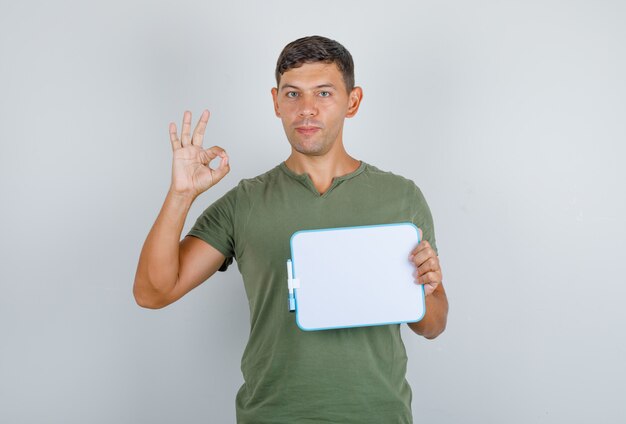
(216, 226)
(423, 219)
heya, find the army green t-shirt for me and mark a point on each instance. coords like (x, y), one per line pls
(353, 375)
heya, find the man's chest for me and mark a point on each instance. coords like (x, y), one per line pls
(264, 233)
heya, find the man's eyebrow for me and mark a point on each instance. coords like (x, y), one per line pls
(289, 86)
(325, 85)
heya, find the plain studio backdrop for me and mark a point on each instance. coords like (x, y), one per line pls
(510, 116)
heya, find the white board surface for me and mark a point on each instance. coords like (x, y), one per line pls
(356, 276)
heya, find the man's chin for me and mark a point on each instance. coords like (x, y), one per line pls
(310, 151)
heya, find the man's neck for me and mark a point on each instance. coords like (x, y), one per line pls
(322, 169)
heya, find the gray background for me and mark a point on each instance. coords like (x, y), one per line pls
(508, 115)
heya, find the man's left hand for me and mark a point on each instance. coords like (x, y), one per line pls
(428, 272)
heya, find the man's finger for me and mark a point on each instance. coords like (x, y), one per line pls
(430, 281)
(186, 132)
(422, 252)
(424, 245)
(429, 265)
(429, 278)
(223, 168)
(198, 132)
(207, 155)
(425, 275)
(213, 152)
(174, 137)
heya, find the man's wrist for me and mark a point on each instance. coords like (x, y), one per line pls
(183, 198)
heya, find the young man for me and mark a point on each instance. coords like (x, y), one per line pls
(354, 375)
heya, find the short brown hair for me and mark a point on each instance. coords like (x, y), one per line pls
(313, 49)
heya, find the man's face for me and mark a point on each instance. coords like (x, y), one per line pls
(312, 103)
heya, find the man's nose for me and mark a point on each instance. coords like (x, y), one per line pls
(308, 106)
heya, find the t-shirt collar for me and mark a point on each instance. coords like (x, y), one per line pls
(305, 179)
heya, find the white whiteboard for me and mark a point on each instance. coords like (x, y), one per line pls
(356, 276)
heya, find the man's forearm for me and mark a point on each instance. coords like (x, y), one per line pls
(434, 322)
(157, 270)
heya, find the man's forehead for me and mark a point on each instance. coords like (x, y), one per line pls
(312, 75)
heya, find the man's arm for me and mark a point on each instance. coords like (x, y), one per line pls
(169, 268)
(428, 273)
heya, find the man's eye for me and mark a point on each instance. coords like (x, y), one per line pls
(292, 94)
(324, 93)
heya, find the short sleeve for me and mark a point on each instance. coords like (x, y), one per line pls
(422, 218)
(216, 226)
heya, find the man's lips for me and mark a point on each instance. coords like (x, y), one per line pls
(307, 130)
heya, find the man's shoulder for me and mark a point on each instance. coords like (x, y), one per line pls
(387, 177)
(260, 180)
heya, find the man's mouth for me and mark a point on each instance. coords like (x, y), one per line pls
(307, 130)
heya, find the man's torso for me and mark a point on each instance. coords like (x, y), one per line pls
(343, 376)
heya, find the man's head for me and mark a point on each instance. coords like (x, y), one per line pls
(316, 49)
(315, 93)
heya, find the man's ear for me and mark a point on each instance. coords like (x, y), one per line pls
(354, 101)
(275, 100)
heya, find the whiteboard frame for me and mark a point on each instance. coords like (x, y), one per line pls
(408, 296)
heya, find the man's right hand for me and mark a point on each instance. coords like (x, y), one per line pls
(191, 173)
